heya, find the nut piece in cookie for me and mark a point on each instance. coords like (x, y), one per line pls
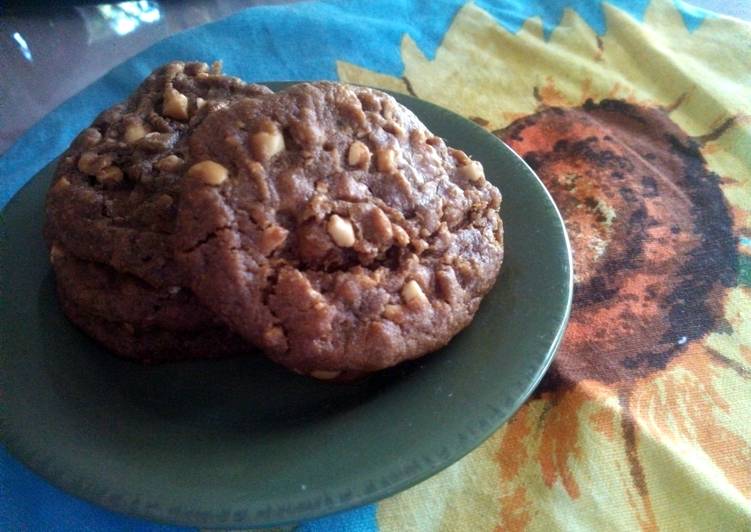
(209, 172)
(413, 295)
(175, 104)
(386, 160)
(267, 142)
(358, 155)
(341, 231)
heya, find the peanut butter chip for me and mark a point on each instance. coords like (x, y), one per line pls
(273, 237)
(420, 245)
(460, 157)
(412, 294)
(171, 163)
(381, 225)
(134, 132)
(394, 313)
(400, 235)
(394, 128)
(341, 231)
(175, 104)
(417, 136)
(472, 171)
(273, 335)
(267, 143)
(359, 155)
(91, 137)
(91, 162)
(109, 175)
(386, 160)
(173, 69)
(325, 375)
(209, 172)
(62, 183)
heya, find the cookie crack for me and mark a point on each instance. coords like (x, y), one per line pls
(208, 238)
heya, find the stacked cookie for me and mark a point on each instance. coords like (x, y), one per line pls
(323, 224)
(111, 215)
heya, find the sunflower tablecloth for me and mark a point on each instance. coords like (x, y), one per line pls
(637, 116)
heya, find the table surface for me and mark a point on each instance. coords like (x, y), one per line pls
(54, 53)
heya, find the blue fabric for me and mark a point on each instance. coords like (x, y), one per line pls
(289, 42)
(361, 519)
(27, 502)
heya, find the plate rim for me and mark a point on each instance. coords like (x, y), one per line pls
(406, 481)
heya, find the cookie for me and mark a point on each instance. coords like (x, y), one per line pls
(328, 226)
(113, 198)
(135, 320)
(153, 345)
(100, 290)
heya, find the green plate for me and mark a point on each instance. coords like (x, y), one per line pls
(242, 442)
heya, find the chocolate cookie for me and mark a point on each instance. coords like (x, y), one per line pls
(329, 227)
(136, 320)
(113, 199)
(153, 344)
(100, 290)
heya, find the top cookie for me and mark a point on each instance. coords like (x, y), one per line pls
(113, 199)
(328, 226)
